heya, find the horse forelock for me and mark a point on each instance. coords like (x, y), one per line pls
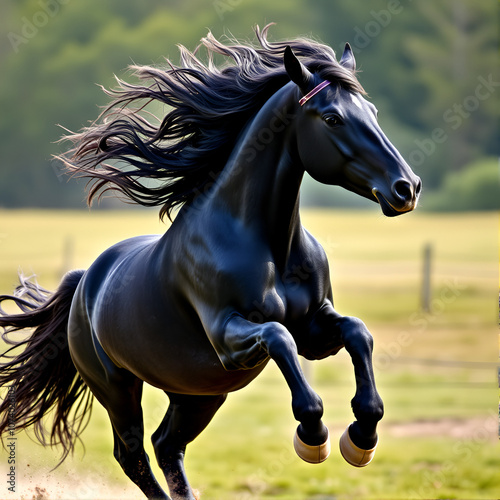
(209, 104)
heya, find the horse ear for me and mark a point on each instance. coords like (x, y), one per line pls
(297, 72)
(347, 60)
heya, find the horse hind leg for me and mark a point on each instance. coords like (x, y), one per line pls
(185, 419)
(120, 392)
(125, 412)
(128, 433)
(122, 403)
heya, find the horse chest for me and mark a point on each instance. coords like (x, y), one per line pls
(270, 295)
(227, 267)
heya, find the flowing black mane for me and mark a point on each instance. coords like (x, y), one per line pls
(208, 108)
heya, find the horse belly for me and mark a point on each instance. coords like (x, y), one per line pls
(170, 352)
(189, 368)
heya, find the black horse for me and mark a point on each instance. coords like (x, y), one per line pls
(235, 281)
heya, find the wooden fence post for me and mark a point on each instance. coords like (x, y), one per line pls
(426, 278)
(67, 255)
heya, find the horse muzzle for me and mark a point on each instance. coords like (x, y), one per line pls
(403, 197)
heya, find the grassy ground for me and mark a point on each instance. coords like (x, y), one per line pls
(435, 370)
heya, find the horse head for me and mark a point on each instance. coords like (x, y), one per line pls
(339, 140)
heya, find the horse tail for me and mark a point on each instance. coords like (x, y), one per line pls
(42, 377)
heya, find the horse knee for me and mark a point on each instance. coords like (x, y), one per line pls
(355, 334)
(276, 340)
(271, 340)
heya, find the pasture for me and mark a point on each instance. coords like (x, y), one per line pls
(436, 369)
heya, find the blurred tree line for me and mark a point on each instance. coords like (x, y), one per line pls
(430, 67)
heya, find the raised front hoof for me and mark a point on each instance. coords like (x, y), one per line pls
(313, 454)
(353, 454)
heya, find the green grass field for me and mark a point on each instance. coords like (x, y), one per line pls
(436, 371)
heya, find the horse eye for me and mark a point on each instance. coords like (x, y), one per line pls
(332, 120)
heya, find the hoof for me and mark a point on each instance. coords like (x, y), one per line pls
(354, 455)
(311, 454)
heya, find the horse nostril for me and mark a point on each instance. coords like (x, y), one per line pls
(419, 186)
(403, 190)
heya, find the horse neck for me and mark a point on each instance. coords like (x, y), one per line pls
(261, 181)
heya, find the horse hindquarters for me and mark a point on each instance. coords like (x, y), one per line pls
(119, 391)
(43, 375)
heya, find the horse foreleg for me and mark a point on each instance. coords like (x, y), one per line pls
(332, 330)
(360, 439)
(246, 344)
